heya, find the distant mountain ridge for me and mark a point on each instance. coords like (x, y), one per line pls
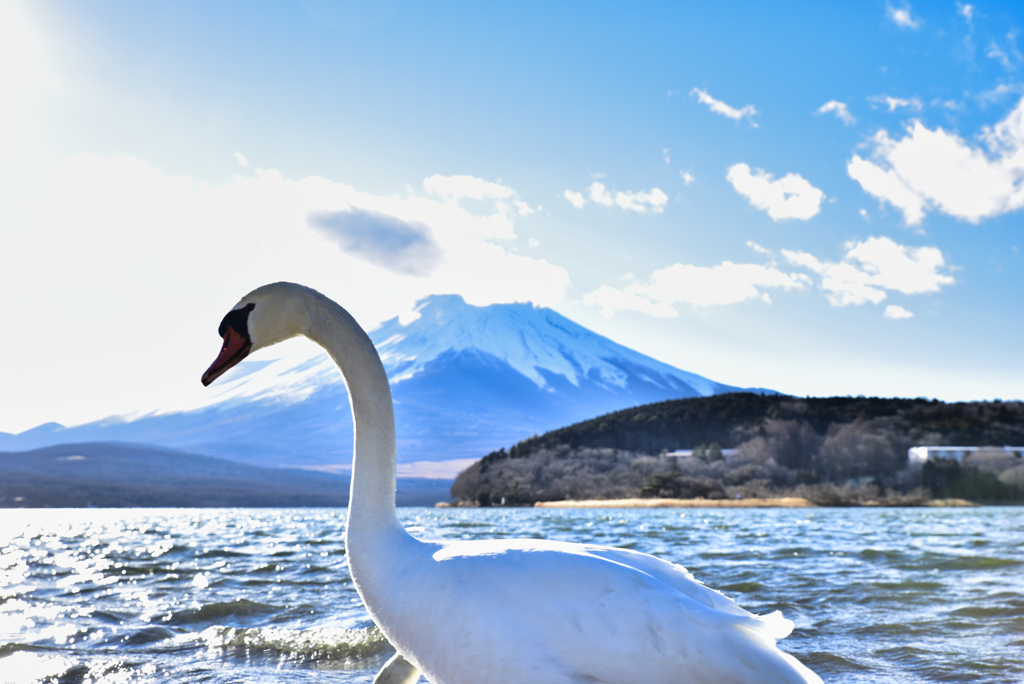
(465, 380)
(125, 475)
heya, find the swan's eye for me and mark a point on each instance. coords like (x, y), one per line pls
(238, 321)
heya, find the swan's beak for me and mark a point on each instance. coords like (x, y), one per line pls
(236, 347)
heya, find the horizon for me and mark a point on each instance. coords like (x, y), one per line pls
(824, 201)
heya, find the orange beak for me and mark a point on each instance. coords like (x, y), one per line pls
(236, 347)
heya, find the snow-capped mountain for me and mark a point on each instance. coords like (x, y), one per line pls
(465, 380)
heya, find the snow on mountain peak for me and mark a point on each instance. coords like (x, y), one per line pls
(534, 341)
(530, 339)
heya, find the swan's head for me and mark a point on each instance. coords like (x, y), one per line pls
(267, 315)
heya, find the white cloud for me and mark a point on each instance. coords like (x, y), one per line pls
(758, 248)
(653, 200)
(871, 267)
(241, 159)
(457, 187)
(599, 194)
(902, 17)
(935, 170)
(894, 103)
(687, 177)
(719, 107)
(507, 203)
(533, 242)
(611, 300)
(790, 197)
(1010, 57)
(727, 283)
(575, 198)
(897, 312)
(525, 209)
(126, 252)
(966, 11)
(887, 185)
(987, 97)
(866, 273)
(666, 156)
(840, 110)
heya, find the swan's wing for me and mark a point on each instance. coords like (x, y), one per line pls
(774, 625)
(398, 670)
(579, 613)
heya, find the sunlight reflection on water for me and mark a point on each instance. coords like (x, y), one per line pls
(899, 595)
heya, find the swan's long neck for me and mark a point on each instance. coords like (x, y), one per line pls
(372, 496)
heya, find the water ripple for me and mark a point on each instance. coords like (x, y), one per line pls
(895, 595)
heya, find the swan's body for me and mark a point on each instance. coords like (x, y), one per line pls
(510, 611)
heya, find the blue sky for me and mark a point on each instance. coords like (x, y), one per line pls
(820, 198)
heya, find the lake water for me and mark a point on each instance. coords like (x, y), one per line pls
(263, 595)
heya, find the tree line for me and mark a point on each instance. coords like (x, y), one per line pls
(831, 450)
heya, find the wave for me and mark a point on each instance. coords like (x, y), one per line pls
(215, 611)
(329, 647)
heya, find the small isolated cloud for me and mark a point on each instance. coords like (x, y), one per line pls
(575, 198)
(902, 17)
(666, 155)
(935, 170)
(996, 53)
(894, 103)
(719, 107)
(840, 110)
(653, 200)
(897, 312)
(402, 247)
(1008, 56)
(687, 177)
(966, 11)
(758, 248)
(870, 268)
(241, 159)
(533, 242)
(699, 286)
(789, 197)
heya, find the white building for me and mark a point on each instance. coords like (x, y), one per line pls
(688, 453)
(921, 454)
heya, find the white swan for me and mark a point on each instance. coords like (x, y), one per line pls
(511, 611)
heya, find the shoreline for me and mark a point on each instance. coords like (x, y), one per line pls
(782, 502)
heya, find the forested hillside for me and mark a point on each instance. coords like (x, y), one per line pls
(817, 445)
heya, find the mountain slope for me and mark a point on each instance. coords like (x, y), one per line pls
(465, 380)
